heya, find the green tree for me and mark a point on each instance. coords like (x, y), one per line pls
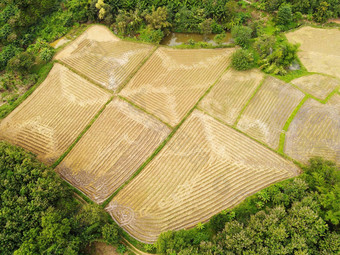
(157, 19)
(110, 233)
(284, 15)
(22, 62)
(206, 26)
(242, 60)
(322, 13)
(38, 211)
(241, 35)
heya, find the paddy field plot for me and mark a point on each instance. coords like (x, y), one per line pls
(268, 111)
(317, 85)
(110, 152)
(171, 82)
(206, 167)
(319, 49)
(49, 120)
(103, 57)
(228, 97)
(315, 131)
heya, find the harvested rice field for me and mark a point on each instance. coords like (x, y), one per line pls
(320, 86)
(171, 82)
(205, 168)
(319, 49)
(228, 97)
(103, 57)
(315, 131)
(118, 142)
(49, 120)
(268, 111)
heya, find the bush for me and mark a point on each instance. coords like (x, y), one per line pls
(153, 36)
(6, 54)
(241, 35)
(242, 60)
(110, 233)
(220, 38)
(284, 15)
(276, 54)
(22, 62)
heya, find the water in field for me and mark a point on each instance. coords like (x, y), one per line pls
(174, 39)
(61, 41)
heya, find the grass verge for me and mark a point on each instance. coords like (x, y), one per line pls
(287, 124)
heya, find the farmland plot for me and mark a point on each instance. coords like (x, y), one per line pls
(320, 49)
(269, 110)
(206, 167)
(317, 85)
(104, 58)
(118, 142)
(172, 81)
(227, 98)
(315, 131)
(48, 121)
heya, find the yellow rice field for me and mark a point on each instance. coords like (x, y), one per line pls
(315, 131)
(228, 97)
(103, 57)
(119, 141)
(205, 168)
(268, 111)
(171, 82)
(49, 120)
(319, 49)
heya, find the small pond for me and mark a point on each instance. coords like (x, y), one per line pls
(174, 39)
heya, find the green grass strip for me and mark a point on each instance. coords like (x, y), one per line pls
(161, 146)
(287, 124)
(42, 72)
(335, 91)
(248, 102)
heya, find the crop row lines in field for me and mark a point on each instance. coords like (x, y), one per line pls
(287, 124)
(282, 154)
(322, 101)
(248, 102)
(137, 69)
(84, 76)
(161, 146)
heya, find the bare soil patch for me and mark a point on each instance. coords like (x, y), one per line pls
(320, 49)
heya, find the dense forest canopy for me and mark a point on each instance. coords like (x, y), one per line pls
(39, 213)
